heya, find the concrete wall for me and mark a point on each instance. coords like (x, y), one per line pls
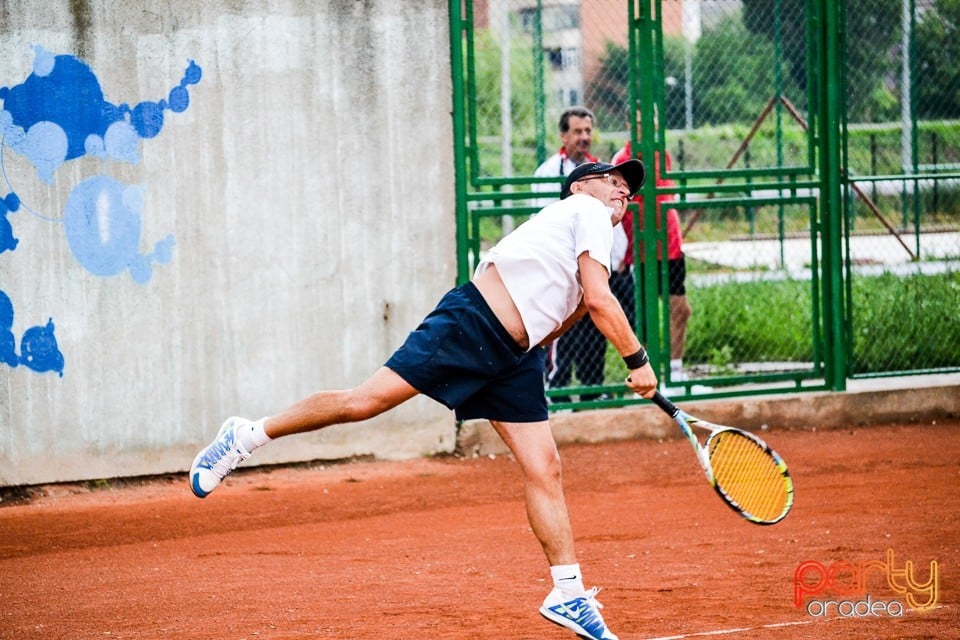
(259, 204)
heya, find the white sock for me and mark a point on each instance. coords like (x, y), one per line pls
(251, 435)
(568, 579)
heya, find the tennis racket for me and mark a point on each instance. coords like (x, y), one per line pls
(750, 476)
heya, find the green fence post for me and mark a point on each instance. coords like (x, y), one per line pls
(831, 211)
(459, 136)
(643, 77)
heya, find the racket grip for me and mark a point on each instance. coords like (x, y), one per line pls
(664, 403)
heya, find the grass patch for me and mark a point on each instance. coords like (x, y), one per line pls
(897, 322)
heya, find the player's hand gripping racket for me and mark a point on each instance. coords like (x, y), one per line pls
(750, 476)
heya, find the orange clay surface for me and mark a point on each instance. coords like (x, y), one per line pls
(440, 548)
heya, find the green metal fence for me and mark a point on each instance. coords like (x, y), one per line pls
(810, 149)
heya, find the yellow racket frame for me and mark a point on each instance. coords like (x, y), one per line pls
(750, 476)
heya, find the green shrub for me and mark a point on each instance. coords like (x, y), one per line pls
(761, 321)
(897, 322)
(903, 323)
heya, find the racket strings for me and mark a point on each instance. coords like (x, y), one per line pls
(749, 476)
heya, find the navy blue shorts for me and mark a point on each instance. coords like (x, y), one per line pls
(463, 357)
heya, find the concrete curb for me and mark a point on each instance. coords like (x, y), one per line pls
(876, 402)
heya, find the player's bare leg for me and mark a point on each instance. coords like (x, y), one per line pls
(380, 392)
(238, 437)
(680, 312)
(533, 447)
(568, 604)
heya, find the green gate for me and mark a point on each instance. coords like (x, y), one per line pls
(809, 148)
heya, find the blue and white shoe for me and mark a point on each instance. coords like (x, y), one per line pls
(218, 459)
(580, 615)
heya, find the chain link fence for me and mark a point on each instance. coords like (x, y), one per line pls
(903, 198)
(731, 90)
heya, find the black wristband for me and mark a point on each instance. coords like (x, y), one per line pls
(637, 360)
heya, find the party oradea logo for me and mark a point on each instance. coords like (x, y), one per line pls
(866, 588)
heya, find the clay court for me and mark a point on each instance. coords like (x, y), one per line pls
(440, 548)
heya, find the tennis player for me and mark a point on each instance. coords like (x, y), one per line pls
(478, 353)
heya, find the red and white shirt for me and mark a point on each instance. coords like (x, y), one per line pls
(674, 235)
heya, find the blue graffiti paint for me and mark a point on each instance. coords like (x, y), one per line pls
(102, 223)
(8, 342)
(38, 347)
(8, 205)
(59, 114)
(39, 351)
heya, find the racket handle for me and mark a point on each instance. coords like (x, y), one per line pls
(664, 403)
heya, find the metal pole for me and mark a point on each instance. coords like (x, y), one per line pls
(690, 18)
(500, 19)
(906, 120)
(539, 106)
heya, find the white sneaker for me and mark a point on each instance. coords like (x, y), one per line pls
(581, 615)
(218, 459)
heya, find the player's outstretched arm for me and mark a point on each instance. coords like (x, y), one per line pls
(611, 321)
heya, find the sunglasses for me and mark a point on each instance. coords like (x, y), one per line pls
(614, 182)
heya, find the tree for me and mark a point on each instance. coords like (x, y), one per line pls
(609, 93)
(488, 108)
(937, 46)
(734, 74)
(674, 71)
(870, 56)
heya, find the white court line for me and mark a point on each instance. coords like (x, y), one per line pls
(725, 632)
(775, 625)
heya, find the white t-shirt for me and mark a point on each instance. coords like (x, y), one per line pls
(619, 252)
(538, 260)
(557, 165)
